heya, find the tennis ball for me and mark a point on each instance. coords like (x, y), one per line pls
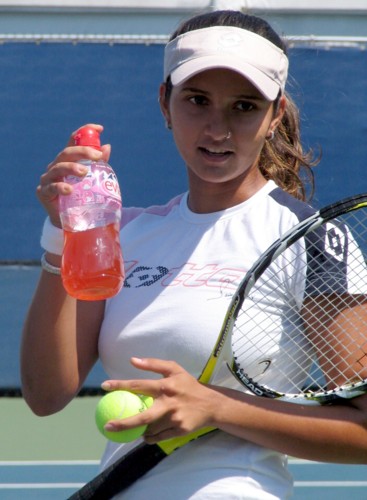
(117, 405)
(148, 400)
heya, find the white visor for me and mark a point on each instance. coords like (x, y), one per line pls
(264, 64)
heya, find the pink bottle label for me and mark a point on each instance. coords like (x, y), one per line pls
(95, 187)
(95, 200)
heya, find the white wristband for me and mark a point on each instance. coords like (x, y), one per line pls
(52, 238)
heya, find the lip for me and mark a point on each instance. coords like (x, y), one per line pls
(212, 155)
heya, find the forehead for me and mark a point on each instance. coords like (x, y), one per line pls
(221, 79)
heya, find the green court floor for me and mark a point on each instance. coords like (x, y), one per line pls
(50, 457)
(69, 435)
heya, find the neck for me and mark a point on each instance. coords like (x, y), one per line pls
(211, 197)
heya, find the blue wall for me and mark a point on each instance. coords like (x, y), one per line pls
(48, 90)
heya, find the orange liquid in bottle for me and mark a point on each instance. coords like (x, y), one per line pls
(92, 265)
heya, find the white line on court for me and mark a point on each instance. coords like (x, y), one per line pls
(15, 463)
(303, 484)
(300, 461)
(328, 484)
(39, 486)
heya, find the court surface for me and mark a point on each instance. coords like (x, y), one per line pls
(51, 457)
(58, 479)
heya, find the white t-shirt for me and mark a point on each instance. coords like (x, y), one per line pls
(181, 271)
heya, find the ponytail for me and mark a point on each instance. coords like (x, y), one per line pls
(283, 159)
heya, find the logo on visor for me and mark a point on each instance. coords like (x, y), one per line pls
(230, 40)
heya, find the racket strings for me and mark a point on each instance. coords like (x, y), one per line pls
(327, 342)
(303, 326)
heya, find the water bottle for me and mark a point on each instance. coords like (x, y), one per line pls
(92, 265)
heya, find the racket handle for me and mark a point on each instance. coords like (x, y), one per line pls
(121, 474)
(128, 469)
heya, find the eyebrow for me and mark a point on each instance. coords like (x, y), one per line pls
(240, 96)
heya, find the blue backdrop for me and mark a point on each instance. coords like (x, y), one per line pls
(48, 90)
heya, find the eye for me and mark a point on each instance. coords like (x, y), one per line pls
(198, 100)
(245, 106)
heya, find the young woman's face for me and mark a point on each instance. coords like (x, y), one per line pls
(208, 107)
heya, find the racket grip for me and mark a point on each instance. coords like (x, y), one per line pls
(121, 474)
(129, 468)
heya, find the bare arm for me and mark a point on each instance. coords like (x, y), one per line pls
(327, 433)
(59, 345)
(60, 336)
(335, 433)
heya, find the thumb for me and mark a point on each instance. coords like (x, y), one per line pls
(106, 152)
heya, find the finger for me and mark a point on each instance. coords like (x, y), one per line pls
(106, 152)
(51, 183)
(160, 366)
(73, 154)
(138, 386)
(116, 425)
(49, 192)
(56, 172)
(157, 428)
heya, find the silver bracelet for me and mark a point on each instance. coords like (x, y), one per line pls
(49, 267)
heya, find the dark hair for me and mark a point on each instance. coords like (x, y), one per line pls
(282, 159)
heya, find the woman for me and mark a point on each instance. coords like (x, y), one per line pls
(236, 129)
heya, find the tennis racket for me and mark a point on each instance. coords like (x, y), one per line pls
(294, 329)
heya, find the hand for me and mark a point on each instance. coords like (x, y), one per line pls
(51, 182)
(181, 403)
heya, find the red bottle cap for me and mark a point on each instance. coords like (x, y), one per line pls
(87, 136)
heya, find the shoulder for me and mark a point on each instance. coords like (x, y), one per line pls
(286, 203)
(131, 213)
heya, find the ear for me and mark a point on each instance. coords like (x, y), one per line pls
(278, 116)
(163, 103)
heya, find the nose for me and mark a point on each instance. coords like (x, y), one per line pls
(218, 126)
